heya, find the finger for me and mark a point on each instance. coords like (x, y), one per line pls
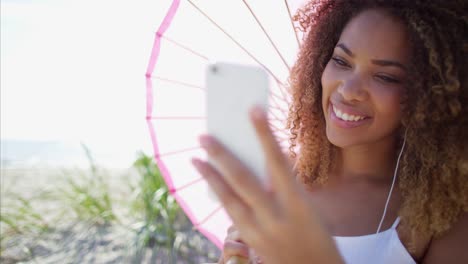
(254, 258)
(234, 236)
(237, 260)
(220, 260)
(242, 180)
(240, 213)
(233, 248)
(277, 162)
(231, 228)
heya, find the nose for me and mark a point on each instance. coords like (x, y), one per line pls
(353, 89)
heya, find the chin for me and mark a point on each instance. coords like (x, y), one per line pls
(341, 141)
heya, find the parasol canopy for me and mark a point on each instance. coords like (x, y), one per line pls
(193, 34)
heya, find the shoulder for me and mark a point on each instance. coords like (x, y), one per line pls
(452, 246)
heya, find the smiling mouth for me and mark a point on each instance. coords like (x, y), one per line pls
(342, 115)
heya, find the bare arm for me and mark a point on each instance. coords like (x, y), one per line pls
(452, 247)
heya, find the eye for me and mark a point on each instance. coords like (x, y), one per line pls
(388, 79)
(340, 62)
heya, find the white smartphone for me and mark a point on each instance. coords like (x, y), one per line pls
(232, 90)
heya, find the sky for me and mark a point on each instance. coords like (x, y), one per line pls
(73, 71)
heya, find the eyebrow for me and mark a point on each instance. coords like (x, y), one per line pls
(377, 62)
(345, 49)
(389, 63)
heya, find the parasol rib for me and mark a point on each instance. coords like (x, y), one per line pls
(175, 117)
(235, 41)
(282, 88)
(277, 106)
(276, 129)
(285, 139)
(158, 155)
(267, 35)
(292, 23)
(178, 82)
(186, 185)
(275, 117)
(185, 47)
(273, 94)
(207, 217)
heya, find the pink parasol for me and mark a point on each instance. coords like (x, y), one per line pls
(192, 34)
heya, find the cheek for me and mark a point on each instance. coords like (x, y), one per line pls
(388, 102)
(326, 84)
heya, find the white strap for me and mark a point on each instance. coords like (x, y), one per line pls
(395, 224)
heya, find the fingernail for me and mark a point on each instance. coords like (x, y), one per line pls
(196, 162)
(257, 112)
(206, 141)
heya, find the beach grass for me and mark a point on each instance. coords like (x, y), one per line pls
(93, 215)
(88, 197)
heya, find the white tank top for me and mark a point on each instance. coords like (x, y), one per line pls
(381, 248)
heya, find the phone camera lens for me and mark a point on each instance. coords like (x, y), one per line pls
(214, 69)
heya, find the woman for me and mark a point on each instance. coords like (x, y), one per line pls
(379, 115)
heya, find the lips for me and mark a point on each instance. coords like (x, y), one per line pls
(346, 117)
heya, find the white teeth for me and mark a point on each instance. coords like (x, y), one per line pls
(345, 116)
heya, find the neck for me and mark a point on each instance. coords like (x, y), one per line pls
(370, 163)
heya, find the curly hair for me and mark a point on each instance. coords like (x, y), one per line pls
(434, 166)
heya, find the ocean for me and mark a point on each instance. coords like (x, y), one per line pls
(66, 154)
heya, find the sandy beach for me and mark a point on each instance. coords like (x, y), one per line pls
(40, 224)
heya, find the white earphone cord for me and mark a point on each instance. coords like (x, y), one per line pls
(393, 183)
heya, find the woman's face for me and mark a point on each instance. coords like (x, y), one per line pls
(363, 83)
